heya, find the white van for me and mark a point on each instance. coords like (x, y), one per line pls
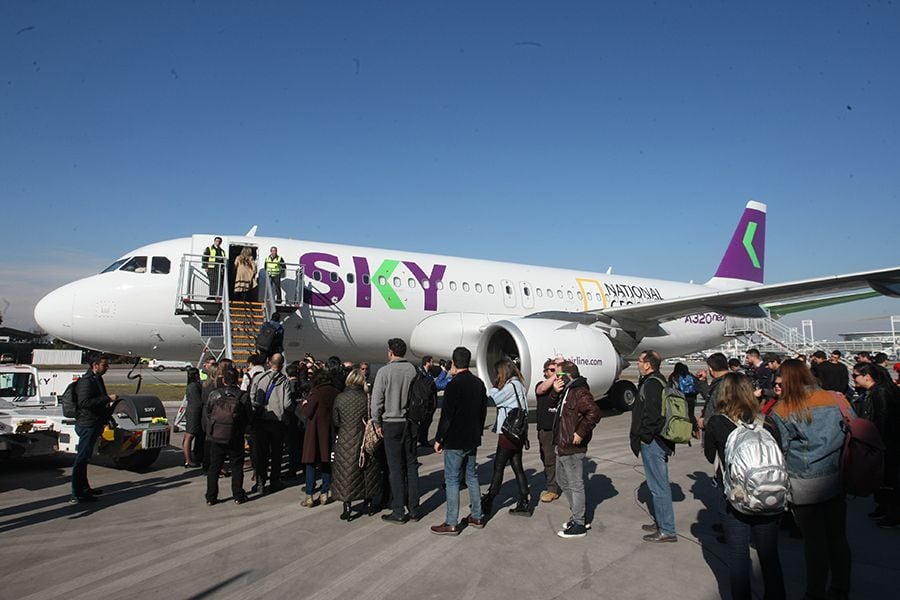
(162, 365)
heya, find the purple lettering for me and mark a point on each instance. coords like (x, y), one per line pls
(430, 291)
(335, 289)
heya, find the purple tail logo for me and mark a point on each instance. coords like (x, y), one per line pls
(745, 257)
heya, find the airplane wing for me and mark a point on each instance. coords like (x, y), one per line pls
(744, 302)
(644, 319)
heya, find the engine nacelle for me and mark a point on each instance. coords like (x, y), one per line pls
(530, 342)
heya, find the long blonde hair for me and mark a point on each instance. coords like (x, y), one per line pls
(736, 399)
(246, 256)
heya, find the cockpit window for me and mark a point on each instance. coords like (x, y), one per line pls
(160, 265)
(115, 266)
(138, 264)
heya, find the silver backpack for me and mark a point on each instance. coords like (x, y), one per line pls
(755, 477)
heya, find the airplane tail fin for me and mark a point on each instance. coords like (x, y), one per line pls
(744, 260)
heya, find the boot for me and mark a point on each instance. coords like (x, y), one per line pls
(522, 507)
(487, 505)
(345, 515)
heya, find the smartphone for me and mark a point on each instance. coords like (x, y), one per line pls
(565, 377)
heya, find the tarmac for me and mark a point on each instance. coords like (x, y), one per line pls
(152, 535)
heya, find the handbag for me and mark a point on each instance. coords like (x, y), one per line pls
(371, 440)
(515, 426)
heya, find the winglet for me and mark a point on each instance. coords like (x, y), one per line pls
(744, 260)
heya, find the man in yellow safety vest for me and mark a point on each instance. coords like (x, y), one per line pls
(213, 261)
(275, 271)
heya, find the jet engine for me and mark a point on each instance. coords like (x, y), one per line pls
(530, 342)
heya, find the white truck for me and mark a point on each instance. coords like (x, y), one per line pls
(32, 423)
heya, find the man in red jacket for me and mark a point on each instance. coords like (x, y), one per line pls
(576, 416)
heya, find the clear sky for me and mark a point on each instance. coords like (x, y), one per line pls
(577, 134)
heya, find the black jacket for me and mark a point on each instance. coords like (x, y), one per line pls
(647, 418)
(546, 410)
(93, 401)
(882, 407)
(463, 413)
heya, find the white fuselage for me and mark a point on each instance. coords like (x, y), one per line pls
(357, 298)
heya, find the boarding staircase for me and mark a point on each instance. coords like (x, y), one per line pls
(771, 335)
(228, 327)
(246, 319)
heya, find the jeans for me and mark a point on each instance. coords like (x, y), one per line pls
(824, 529)
(656, 471)
(268, 444)
(217, 455)
(403, 466)
(454, 462)
(87, 439)
(548, 458)
(513, 457)
(763, 530)
(325, 469)
(570, 471)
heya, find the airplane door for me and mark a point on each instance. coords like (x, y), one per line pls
(509, 293)
(527, 294)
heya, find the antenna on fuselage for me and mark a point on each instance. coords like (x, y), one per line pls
(252, 232)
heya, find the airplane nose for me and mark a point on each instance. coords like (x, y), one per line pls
(54, 312)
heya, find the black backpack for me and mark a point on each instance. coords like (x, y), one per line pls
(223, 416)
(266, 336)
(69, 401)
(421, 399)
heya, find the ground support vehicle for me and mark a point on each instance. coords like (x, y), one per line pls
(34, 425)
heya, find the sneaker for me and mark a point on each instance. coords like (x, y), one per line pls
(394, 519)
(574, 530)
(241, 499)
(889, 523)
(660, 537)
(879, 513)
(549, 496)
(416, 515)
(81, 499)
(570, 522)
(444, 529)
(651, 527)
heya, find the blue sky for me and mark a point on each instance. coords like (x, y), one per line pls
(577, 134)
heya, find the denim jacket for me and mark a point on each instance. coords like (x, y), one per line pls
(812, 451)
(505, 400)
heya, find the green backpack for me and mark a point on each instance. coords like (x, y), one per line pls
(678, 427)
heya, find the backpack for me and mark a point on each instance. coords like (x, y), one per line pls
(862, 457)
(677, 427)
(420, 400)
(755, 477)
(266, 336)
(687, 384)
(69, 401)
(223, 416)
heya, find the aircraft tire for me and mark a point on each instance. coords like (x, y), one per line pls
(138, 461)
(622, 395)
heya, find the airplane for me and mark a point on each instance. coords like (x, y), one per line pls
(349, 300)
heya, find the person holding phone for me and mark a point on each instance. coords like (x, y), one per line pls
(576, 416)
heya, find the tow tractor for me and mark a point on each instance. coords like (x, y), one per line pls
(34, 425)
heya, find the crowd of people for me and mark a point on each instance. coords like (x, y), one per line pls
(356, 442)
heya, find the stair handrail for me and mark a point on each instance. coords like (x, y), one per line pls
(226, 313)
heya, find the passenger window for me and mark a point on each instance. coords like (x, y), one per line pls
(579, 295)
(425, 285)
(549, 293)
(569, 294)
(382, 280)
(411, 283)
(559, 294)
(349, 277)
(452, 286)
(317, 275)
(115, 266)
(366, 280)
(526, 291)
(333, 277)
(478, 287)
(397, 282)
(465, 286)
(589, 297)
(490, 288)
(540, 293)
(160, 265)
(440, 285)
(138, 264)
